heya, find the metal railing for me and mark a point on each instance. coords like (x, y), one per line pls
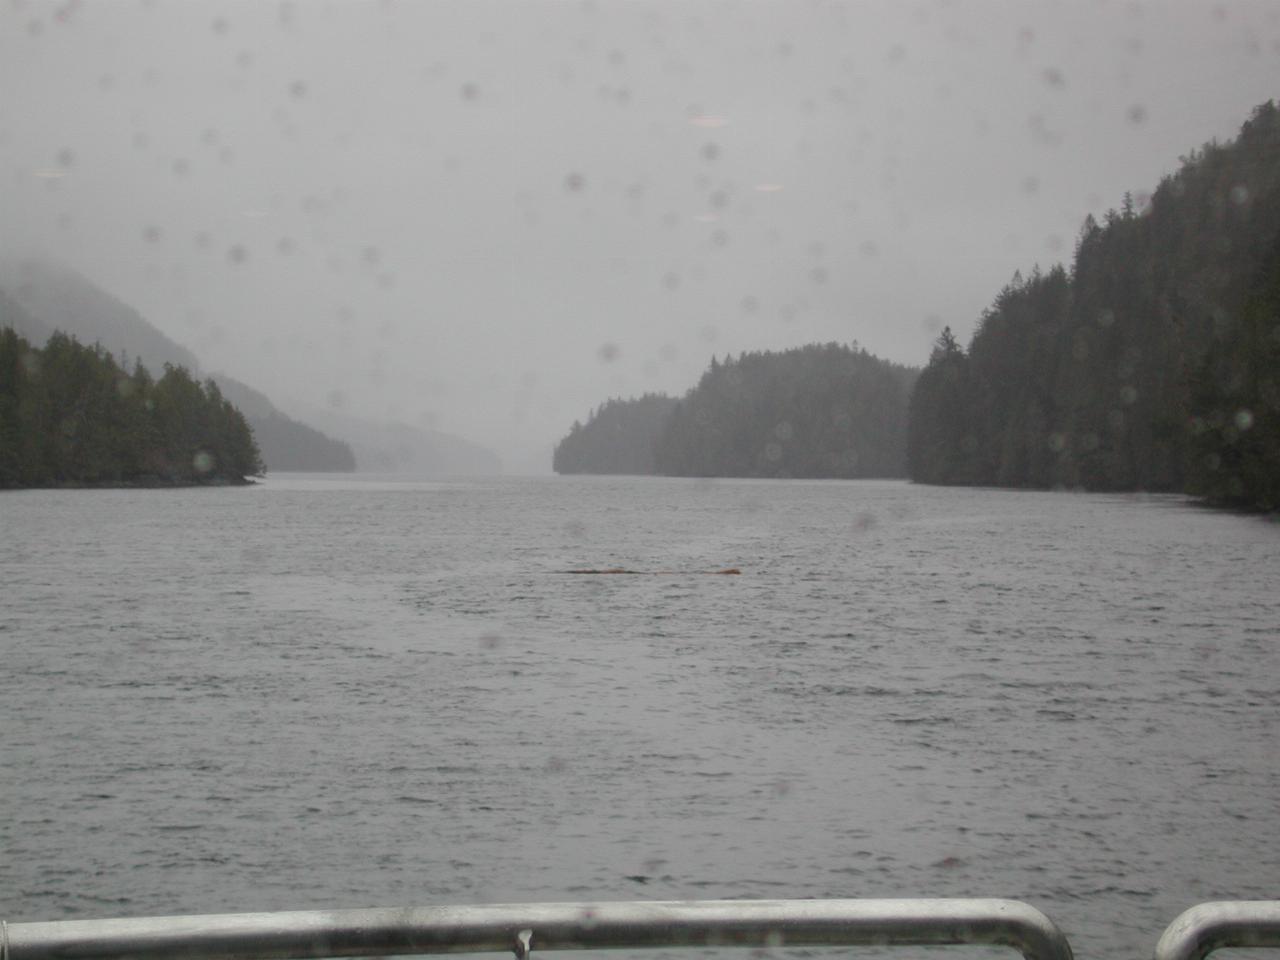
(551, 926)
(523, 928)
(1206, 927)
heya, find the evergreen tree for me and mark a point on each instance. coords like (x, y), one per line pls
(70, 416)
(1089, 378)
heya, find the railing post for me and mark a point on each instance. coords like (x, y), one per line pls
(1227, 923)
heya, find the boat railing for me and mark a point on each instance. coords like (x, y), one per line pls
(524, 928)
(1207, 927)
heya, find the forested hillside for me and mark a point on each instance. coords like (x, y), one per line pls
(823, 410)
(37, 298)
(619, 437)
(71, 416)
(1153, 364)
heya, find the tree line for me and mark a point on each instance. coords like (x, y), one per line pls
(822, 410)
(618, 437)
(70, 415)
(1153, 363)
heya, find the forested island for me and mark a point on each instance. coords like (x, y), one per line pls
(71, 416)
(823, 410)
(1153, 364)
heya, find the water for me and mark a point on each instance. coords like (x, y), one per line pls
(340, 693)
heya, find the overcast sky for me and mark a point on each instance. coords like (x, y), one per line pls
(487, 217)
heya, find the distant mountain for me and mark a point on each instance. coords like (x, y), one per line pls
(43, 297)
(57, 298)
(399, 448)
(13, 315)
(286, 444)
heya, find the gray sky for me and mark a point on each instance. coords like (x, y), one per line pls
(487, 217)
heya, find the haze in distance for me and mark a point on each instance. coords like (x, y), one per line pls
(487, 218)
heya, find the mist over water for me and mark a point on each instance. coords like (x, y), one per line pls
(336, 693)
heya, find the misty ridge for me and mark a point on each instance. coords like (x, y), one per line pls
(481, 220)
(401, 238)
(1153, 363)
(41, 300)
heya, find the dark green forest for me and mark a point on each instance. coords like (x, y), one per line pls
(71, 416)
(38, 297)
(1153, 364)
(619, 437)
(824, 410)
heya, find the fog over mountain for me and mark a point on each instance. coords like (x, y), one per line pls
(37, 298)
(484, 218)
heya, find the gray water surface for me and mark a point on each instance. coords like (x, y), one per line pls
(338, 693)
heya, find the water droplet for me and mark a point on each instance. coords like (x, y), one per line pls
(1136, 114)
(773, 452)
(1239, 194)
(237, 254)
(608, 352)
(202, 462)
(1244, 419)
(1057, 442)
(575, 182)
